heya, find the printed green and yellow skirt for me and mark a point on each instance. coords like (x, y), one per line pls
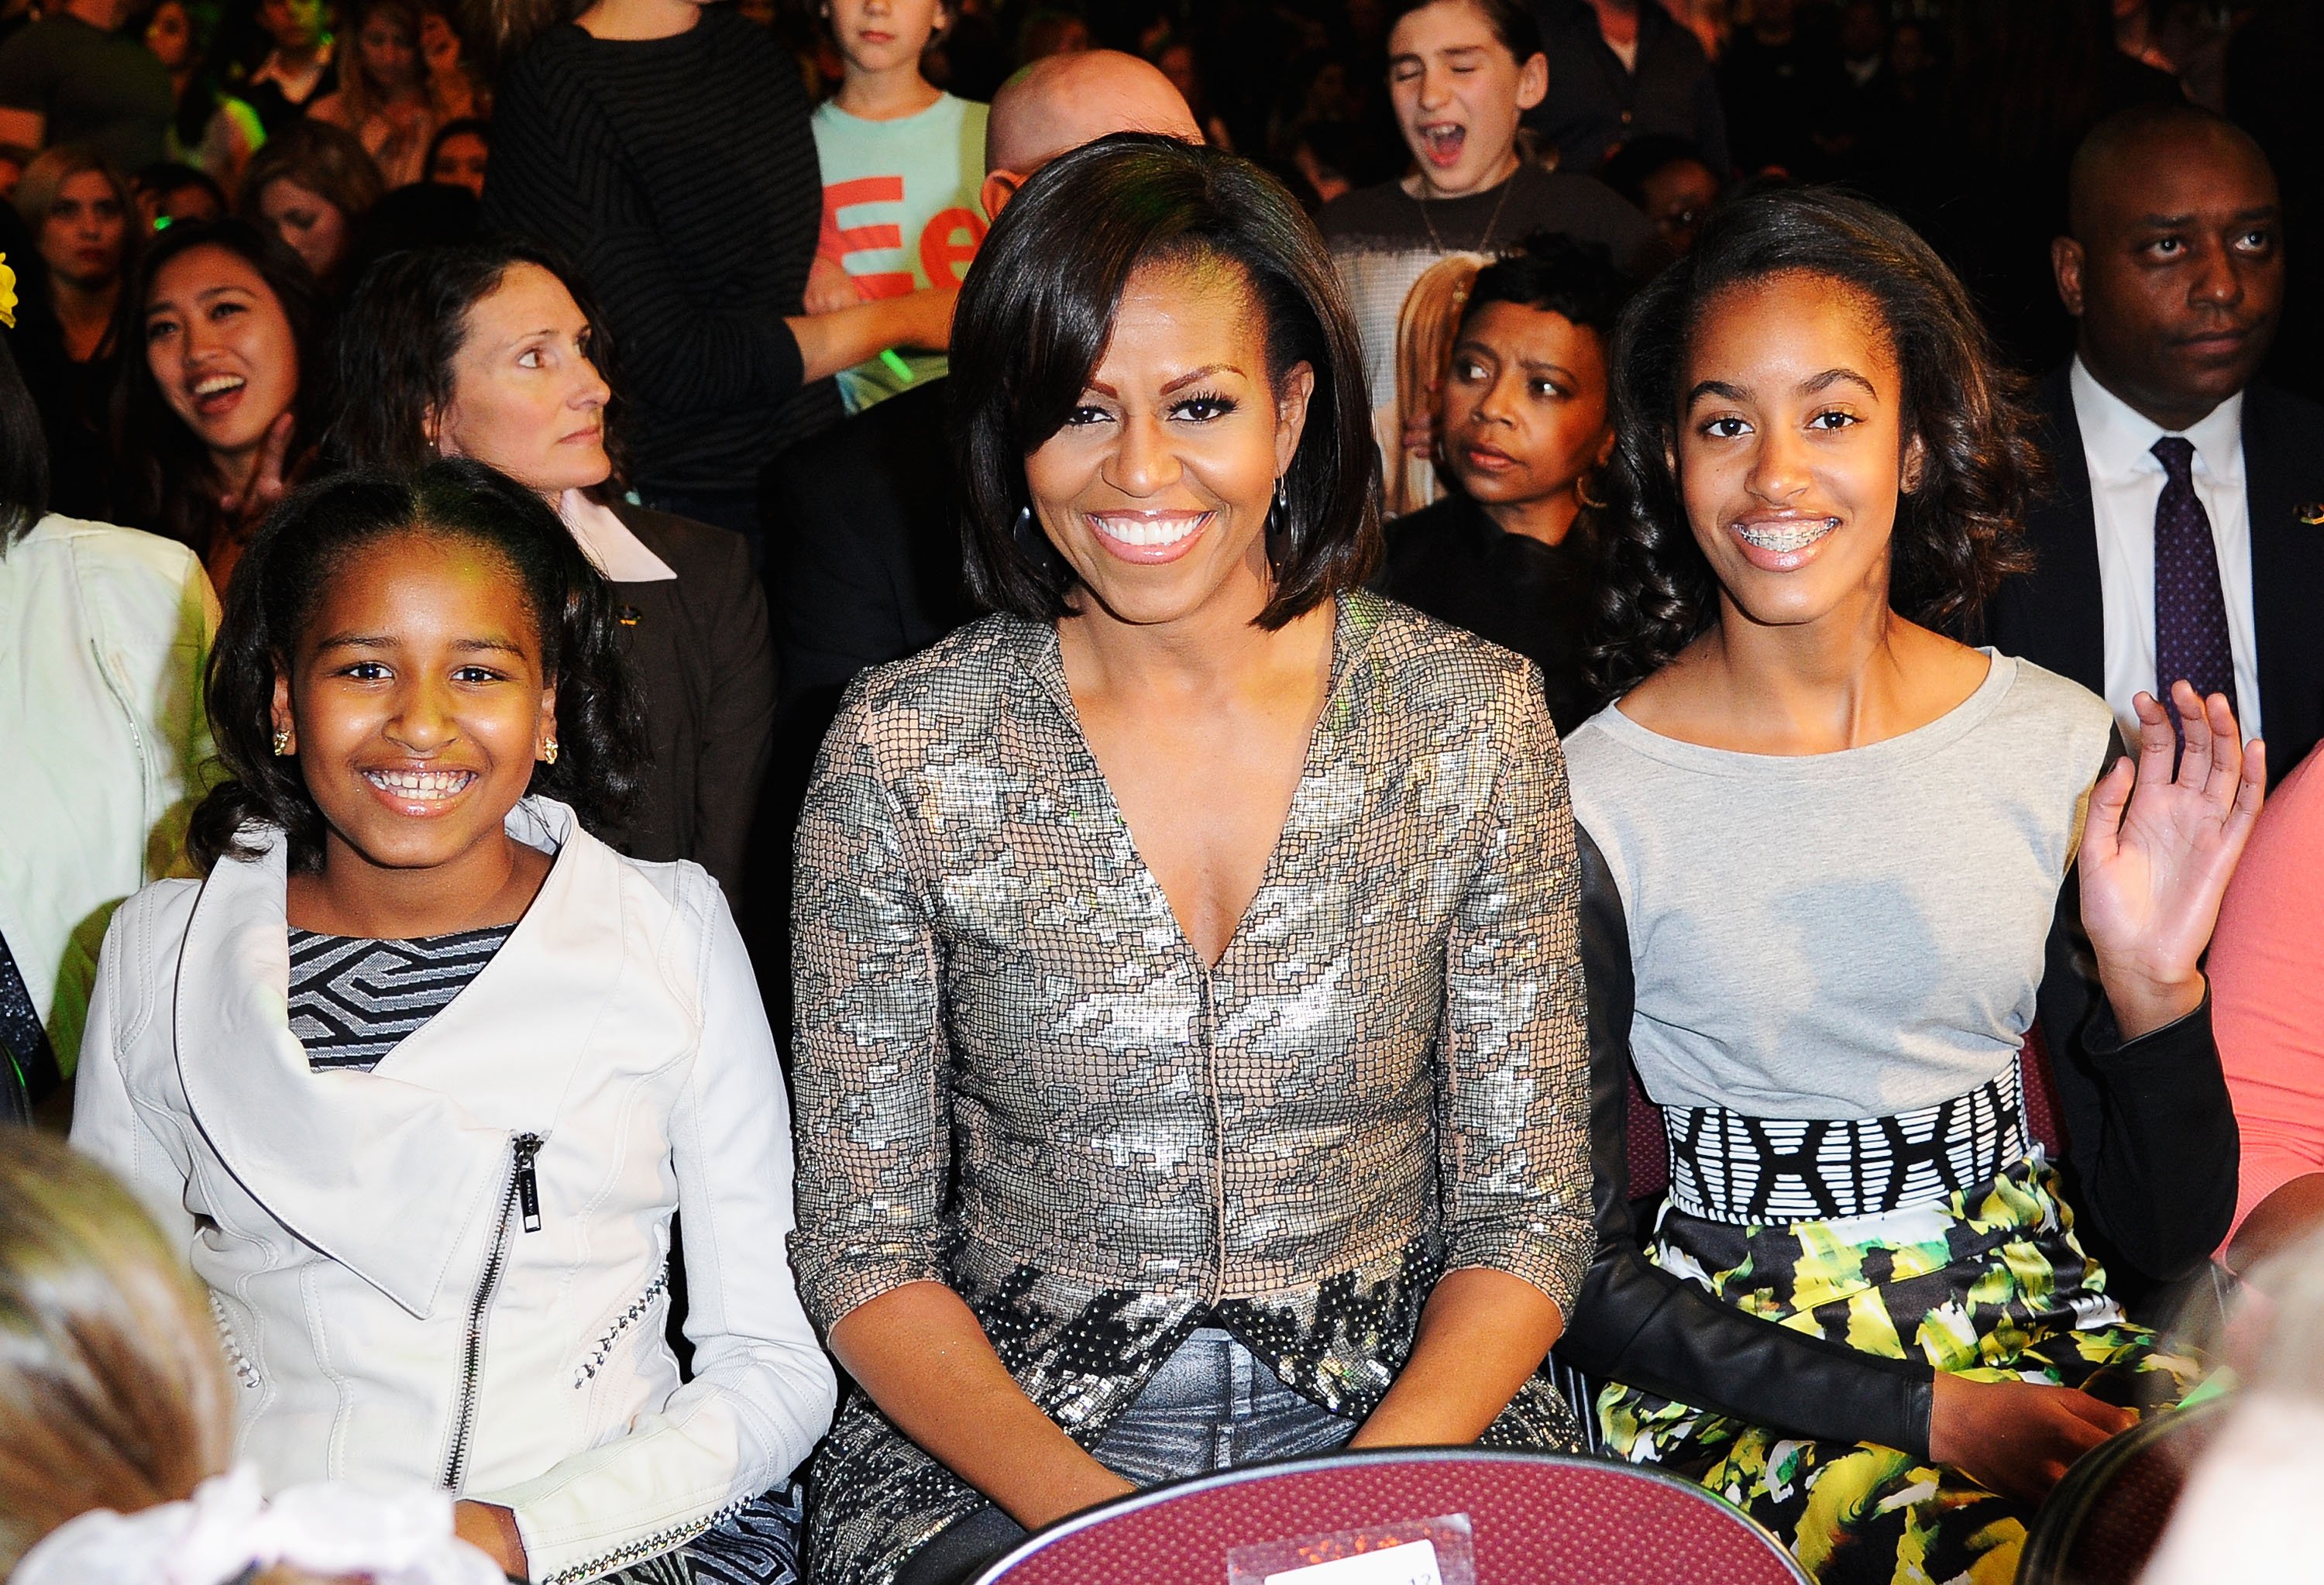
(1989, 1284)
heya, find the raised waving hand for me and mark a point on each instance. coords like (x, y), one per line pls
(2157, 854)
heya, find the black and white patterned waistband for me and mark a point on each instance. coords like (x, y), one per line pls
(1729, 1167)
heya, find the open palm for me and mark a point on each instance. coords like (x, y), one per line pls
(2158, 851)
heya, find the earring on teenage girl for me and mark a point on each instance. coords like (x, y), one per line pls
(282, 743)
(549, 753)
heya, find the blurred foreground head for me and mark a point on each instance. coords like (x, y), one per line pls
(113, 1391)
(2244, 1513)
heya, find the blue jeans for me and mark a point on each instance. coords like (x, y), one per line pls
(1213, 1406)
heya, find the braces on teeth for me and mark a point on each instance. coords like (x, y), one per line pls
(1798, 537)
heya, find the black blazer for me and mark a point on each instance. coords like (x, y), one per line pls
(2055, 617)
(862, 553)
(863, 568)
(700, 649)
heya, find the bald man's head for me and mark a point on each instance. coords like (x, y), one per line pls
(2117, 155)
(2175, 265)
(1061, 102)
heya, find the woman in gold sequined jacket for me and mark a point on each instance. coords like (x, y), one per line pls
(1190, 1051)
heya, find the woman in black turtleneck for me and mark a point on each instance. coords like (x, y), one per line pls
(1510, 553)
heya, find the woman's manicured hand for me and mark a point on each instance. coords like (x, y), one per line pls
(2017, 1438)
(2158, 851)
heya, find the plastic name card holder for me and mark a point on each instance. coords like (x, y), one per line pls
(1412, 1552)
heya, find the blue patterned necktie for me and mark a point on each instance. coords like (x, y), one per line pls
(2190, 612)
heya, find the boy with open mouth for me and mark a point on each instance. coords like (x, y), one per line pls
(1460, 73)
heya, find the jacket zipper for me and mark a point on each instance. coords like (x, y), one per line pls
(523, 1193)
(646, 1546)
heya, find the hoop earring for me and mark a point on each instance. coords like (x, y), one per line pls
(1581, 488)
(1280, 538)
(282, 743)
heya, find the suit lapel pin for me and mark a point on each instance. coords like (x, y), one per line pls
(2310, 512)
(628, 615)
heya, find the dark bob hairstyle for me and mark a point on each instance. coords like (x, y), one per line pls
(280, 578)
(1037, 309)
(1959, 532)
(408, 322)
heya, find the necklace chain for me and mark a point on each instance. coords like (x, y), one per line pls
(1485, 243)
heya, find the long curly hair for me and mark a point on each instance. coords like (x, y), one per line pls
(1958, 532)
(306, 541)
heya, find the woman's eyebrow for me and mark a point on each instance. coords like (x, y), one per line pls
(1718, 388)
(1205, 372)
(1830, 377)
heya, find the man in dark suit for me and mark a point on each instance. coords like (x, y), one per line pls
(2183, 534)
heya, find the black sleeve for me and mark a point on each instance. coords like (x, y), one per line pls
(558, 173)
(738, 718)
(1637, 1323)
(2150, 1131)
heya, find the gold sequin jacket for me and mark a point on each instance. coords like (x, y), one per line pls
(1015, 1076)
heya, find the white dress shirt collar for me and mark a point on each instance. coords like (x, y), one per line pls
(606, 540)
(2118, 440)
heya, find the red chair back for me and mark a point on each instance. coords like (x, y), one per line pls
(1534, 1518)
(2045, 1122)
(2105, 1519)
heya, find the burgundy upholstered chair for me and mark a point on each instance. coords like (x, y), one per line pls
(2103, 1522)
(1535, 1519)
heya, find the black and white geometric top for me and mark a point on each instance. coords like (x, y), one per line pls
(353, 1000)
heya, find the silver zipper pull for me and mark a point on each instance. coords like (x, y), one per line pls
(528, 1183)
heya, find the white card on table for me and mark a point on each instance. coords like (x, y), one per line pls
(1413, 1563)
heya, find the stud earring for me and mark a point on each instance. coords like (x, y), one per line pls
(549, 753)
(282, 743)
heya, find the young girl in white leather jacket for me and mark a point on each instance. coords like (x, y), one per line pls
(422, 1074)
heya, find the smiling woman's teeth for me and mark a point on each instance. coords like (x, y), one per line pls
(1149, 530)
(421, 785)
(217, 384)
(1797, 536)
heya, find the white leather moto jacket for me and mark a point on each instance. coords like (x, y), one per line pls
(453, 1269)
